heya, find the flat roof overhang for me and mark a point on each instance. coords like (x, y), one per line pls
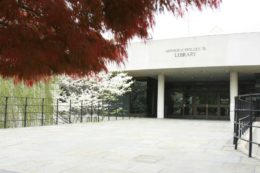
(198, 73)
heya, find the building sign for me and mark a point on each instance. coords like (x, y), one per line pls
(186, 52)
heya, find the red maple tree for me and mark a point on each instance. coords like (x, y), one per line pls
(41, 38)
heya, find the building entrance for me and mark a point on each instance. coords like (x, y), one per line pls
(197, 100)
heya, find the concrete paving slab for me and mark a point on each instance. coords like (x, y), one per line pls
(257, 169)
(125, 146)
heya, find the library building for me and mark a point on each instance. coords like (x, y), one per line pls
(192, 77)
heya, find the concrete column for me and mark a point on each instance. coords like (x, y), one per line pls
(233, 94)
(160, 99)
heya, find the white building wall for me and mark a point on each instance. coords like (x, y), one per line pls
(214, 51)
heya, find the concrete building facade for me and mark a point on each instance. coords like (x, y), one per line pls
(195, 77)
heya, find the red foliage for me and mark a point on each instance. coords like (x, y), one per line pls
(41, 38)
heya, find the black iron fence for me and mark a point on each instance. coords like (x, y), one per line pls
(26, 111)
(247, 111)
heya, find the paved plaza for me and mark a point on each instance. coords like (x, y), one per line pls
(124, 146)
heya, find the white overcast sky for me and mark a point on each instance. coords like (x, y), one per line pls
(233, 16)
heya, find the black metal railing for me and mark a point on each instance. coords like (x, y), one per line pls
(247, 111)
(27, 111)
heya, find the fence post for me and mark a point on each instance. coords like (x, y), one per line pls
(250, 127)
(81, 111)
(109, 110)
(102, 110)
(42, 122)
(91, 111)
(122, 112)
(128, 111)
(57, 111)
(25, 112)
(116, 111)
(70, 113)
(236, 122)
(5, 120)
(98, 111)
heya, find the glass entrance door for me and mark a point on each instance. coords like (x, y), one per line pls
(206, 105)
(197, 102)
(177, 98)
(200, 105)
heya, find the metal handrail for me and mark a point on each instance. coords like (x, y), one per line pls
(248, 95)
(247, 125)
(248, 141)
(247, 108)
(240, 119)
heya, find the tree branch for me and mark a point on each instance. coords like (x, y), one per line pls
(26, 8)
(3, 24)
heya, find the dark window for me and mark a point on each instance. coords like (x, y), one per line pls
(138, 97)
(213, 111)
(224, 99)
(197, 100)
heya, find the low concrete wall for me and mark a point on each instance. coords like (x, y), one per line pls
(244, 146)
